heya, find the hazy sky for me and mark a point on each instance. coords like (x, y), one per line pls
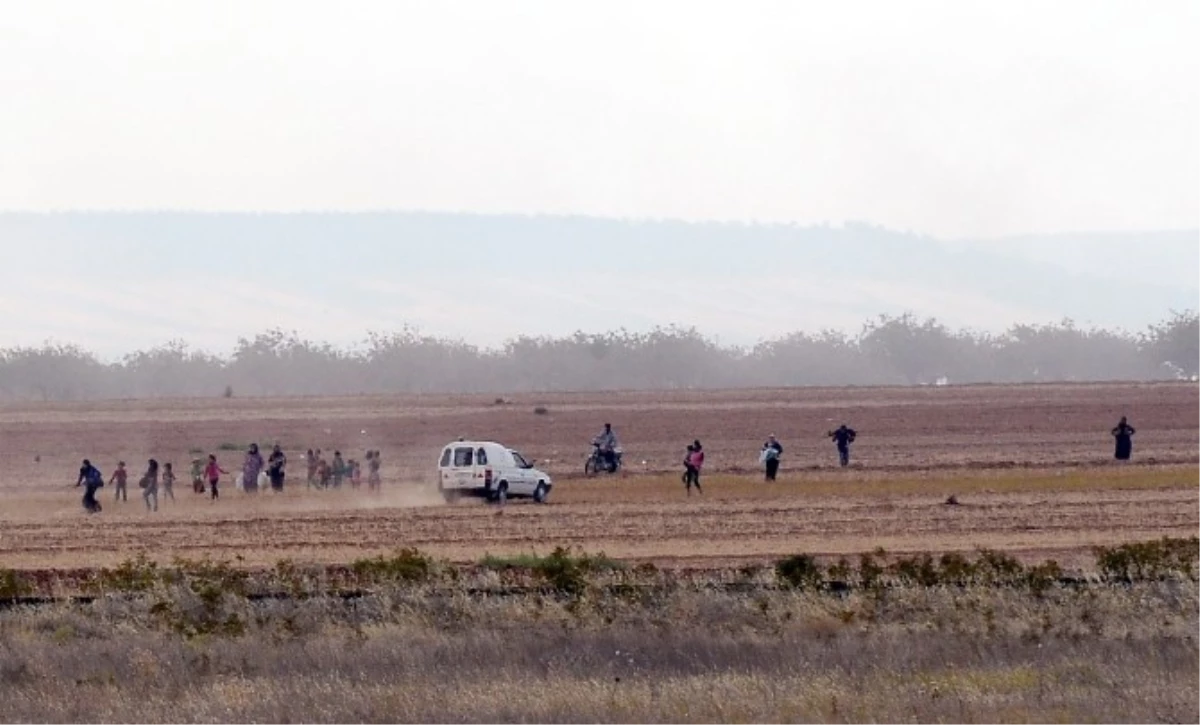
(953, 119)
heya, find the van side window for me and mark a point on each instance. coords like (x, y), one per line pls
(445, 458)
(481, 457)
(462, 457)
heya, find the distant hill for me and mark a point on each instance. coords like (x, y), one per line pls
(742, 282)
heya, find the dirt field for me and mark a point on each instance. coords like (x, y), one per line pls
(1030, 465)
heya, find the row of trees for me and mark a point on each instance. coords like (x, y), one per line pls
(900, 350)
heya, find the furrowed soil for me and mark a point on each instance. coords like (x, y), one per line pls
(1030, 466)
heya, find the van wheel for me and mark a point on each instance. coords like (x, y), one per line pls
(450, 496)
(502, 493)
(540, 493)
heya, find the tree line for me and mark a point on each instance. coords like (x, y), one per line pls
(888, 350)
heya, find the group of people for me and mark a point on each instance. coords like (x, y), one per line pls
(206, 477)
(333, 474)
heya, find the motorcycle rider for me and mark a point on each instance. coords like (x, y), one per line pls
(607, 442)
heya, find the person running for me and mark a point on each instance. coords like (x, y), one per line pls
(1124, 434)
(771, 454)
(374, 480)
(149, 485)
(276, 465)
(339, 469)
(120, 477)
(168, 481)
(213, 473)
(197, 476)
(92, 480)
(251, 467)
(843, 437)
(696, 459)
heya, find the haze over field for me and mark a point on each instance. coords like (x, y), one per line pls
(1010, 163)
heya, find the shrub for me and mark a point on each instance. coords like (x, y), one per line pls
(1148, 559)
(407, 565)
(541, 410)
(800, 572)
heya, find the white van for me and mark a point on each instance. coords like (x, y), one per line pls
(491, 471)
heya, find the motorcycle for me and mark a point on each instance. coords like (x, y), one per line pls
(598, 462)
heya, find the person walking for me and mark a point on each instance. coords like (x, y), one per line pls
(696, 465)
(168, 481)
(149, 485)
(374, 481)
(843, 437)
(213, 473)
(771, 452)
(251, 467)
(197, 476)
(339, 469)
(1124, 434)
(121, 478)
(276, 466)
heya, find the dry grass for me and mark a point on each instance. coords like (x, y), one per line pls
(405, 655)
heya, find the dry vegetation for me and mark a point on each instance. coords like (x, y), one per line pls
(736, 606)
(425, 645)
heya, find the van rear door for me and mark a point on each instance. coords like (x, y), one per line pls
(462, 470)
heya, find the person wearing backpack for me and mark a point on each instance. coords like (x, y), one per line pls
(91, 478)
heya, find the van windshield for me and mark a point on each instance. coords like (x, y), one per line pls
(520, 461)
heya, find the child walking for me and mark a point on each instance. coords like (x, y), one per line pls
(168, 481)
(120, 477)
(197, 476)
(213, 473)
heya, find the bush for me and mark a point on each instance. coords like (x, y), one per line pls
(800, 572)
(541, 410)
(407, 565)
(1149, 559)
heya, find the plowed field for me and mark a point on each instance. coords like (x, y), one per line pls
(1031, 467)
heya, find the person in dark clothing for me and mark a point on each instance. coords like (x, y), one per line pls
(843, 437)
(771, 453)
(91, 478)
(695, 464)
(276, 464)
(374, 481)
(338, 469)
(687, 467)
(149, 485)
(1124, 435)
